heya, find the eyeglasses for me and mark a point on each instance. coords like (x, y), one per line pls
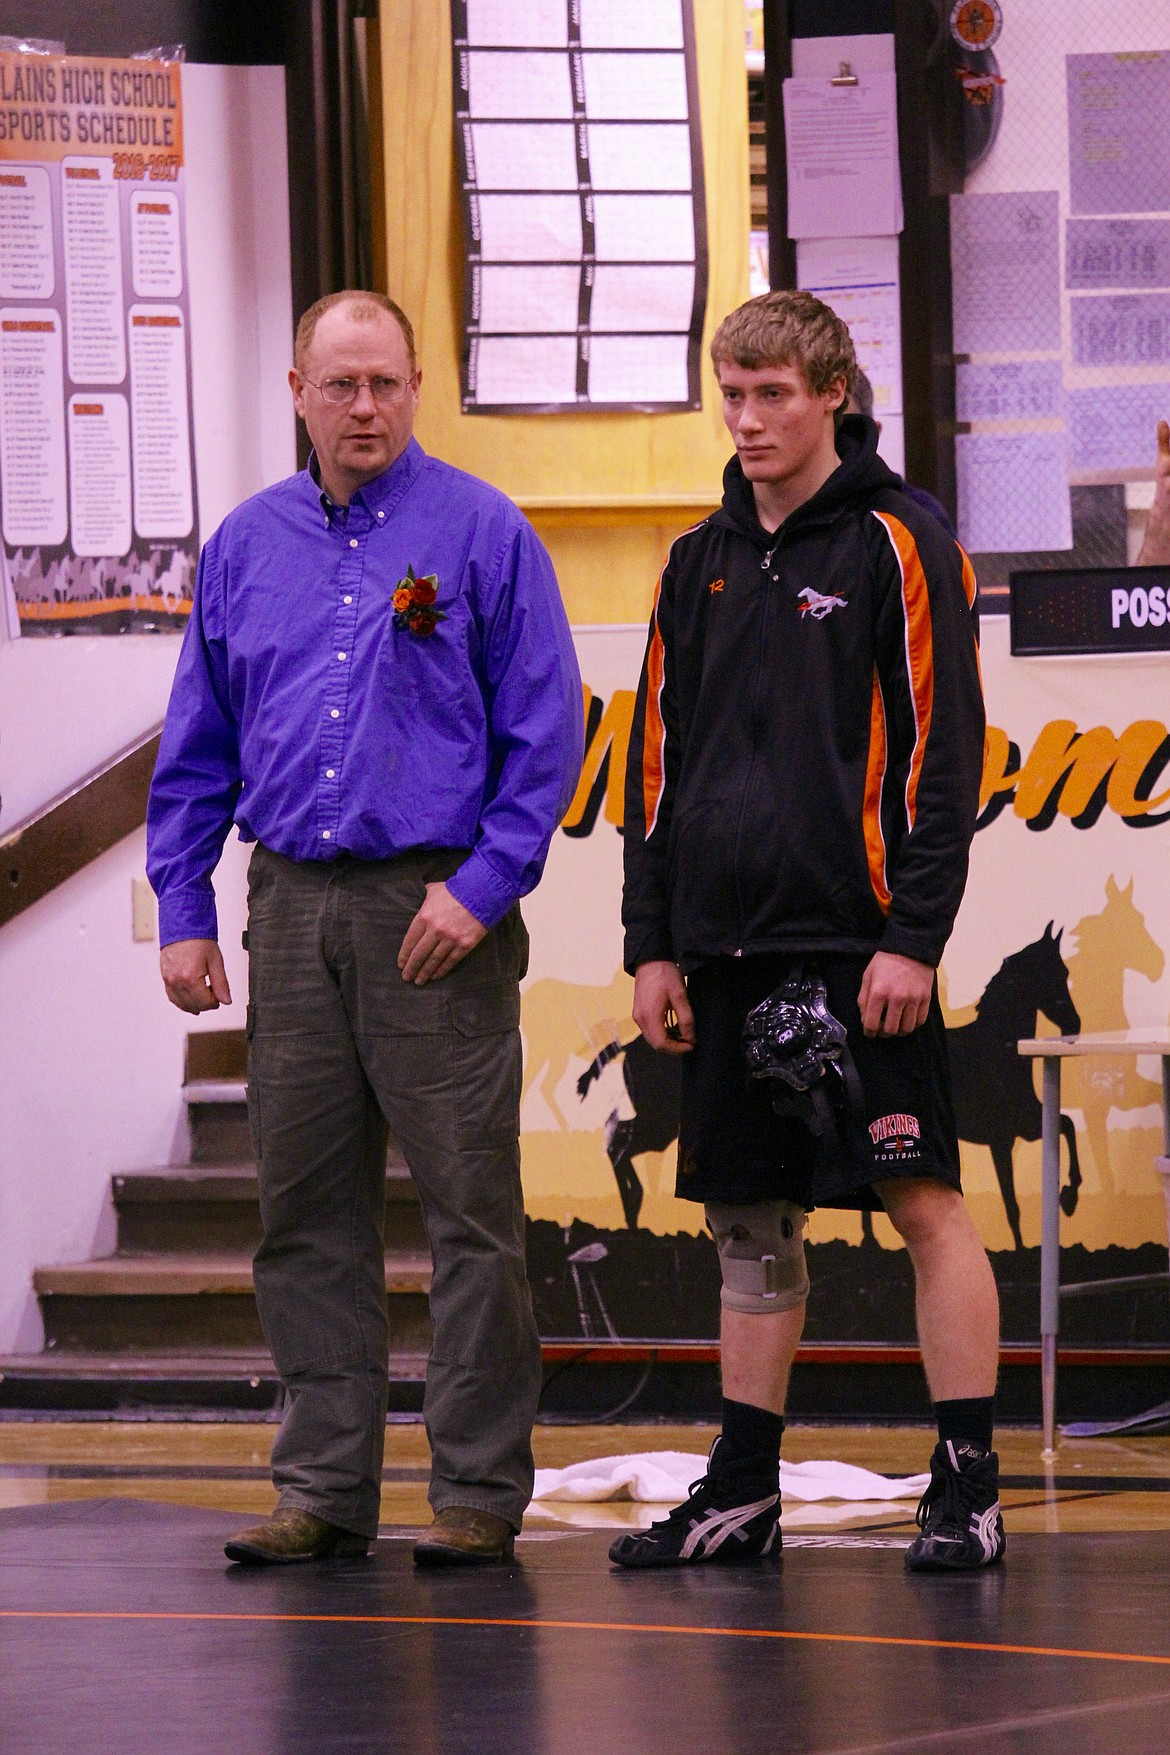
(385, 391)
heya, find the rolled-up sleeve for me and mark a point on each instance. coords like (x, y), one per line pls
(197, 777)
(532, 688)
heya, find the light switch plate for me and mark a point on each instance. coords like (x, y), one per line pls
(143, 911)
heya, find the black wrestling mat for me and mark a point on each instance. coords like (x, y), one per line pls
(123, 1629)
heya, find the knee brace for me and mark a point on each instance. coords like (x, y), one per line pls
(761, 1255)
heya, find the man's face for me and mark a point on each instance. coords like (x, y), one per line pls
(355, 441)
(776, 422)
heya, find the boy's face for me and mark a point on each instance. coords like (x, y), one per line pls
(776, 422)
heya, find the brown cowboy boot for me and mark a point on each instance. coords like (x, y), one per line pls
(462, 1536)
(290, 1535)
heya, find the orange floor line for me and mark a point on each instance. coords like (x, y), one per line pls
(1054, 1651)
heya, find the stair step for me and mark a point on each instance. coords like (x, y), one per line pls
(216, 1054)
(224, 1182)
(217, 1115)
(188, 1275)
(223, 1365)
(184, 1301)
(199, 1384)
(215, 1208)
(216, 1091)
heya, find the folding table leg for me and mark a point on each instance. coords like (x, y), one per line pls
(1050, 1248)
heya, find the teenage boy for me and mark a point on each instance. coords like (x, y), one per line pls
(801, 795)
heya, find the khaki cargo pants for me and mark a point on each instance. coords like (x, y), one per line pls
(339, 1045)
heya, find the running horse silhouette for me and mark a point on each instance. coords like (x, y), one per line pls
(652, 1081)
(995, 1099)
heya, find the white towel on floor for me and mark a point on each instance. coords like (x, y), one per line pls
(662, 1477)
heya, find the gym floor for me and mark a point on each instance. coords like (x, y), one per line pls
(122, 1627)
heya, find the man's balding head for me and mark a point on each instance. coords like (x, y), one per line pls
(363, 307)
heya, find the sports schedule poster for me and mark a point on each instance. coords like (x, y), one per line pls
(580, 160)
(97, 480)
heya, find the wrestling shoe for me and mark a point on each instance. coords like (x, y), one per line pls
(731, 1516)
(959, 1512)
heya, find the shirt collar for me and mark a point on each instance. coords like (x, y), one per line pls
(377, 495)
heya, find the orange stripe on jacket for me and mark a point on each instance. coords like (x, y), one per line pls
(969, 583)
(971, 588)
(875, 773)
(654, 731)
(919, 648)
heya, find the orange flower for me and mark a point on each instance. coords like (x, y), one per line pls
(402, 597)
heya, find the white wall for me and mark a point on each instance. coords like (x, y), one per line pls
(90, 1052)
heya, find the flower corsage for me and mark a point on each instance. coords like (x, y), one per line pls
(415, 608)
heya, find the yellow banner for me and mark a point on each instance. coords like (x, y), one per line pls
(64, 106)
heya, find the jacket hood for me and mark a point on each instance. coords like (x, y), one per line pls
(861, 476)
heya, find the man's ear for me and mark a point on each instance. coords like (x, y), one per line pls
(835, 395)
(297, 385)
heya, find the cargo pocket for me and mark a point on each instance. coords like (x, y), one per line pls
(485, 1023)
(251, 1090)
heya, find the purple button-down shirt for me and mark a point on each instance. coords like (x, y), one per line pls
(300, 710)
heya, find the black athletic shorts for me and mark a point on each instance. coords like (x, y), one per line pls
(733, 1147)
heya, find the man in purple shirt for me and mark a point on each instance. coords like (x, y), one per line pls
(378, 686)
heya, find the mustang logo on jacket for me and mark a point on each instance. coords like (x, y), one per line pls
(812, 603)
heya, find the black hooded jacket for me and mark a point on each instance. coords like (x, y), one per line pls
(807, 744)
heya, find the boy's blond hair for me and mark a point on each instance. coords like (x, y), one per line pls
(788, 329)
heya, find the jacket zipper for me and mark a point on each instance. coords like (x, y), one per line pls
(765, 566)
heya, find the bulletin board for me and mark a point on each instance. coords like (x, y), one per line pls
(1060, 265)
(581, 175)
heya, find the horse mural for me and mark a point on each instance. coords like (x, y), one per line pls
(599, 1015)
(1108, 944)
(995, 1096)
(652, 1082)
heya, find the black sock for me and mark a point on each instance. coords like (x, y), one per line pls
(967, 1421)
(751, 1433)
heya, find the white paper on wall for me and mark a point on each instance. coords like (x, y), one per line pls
(1005, 271)
(1013, 492)
(99, 474)
(1011, 390)
(842, 150)
(858, 279)
(1115, 428)
(32, 430)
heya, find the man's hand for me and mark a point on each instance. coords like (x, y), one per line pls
(895, 995)
(439, 936)
(662, 1010)
(194, 976)
(1155, 550)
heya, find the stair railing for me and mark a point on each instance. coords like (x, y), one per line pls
(76, 827)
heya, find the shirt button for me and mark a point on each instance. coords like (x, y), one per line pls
(381, 514)
(341, 657)
(329, 773)
(347, 600)
(325, 834)
(334, 713)
(353, 542)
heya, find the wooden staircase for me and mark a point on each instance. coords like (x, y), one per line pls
(170, 1317)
